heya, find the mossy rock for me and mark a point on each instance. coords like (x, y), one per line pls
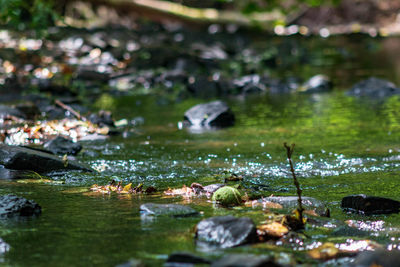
(227, 196)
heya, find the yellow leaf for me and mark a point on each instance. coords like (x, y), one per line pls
(272, 230)
(127, 187)
(324, 252)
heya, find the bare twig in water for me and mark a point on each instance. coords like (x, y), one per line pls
(70, 109)
(289, 151)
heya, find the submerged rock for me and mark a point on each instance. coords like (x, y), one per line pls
(369, 205)
(379, 257)
(174, 210)
(290, 202)
(245, 260)
(227, 196)
(374, 88)
(185, 258)
(61, 146)
(12, 205)
(22, 158)
(214, 114)
(225, 232)
(317, 84)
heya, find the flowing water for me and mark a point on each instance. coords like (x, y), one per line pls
(344, 145)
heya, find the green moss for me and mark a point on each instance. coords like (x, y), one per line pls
(227, 196)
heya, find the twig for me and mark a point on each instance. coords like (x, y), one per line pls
(289, 151)
(70, 109)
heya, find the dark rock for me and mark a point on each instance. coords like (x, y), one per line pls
(21, 158)
(369, 205)
(374, 88)
(379, 257)
(103, 118)
(92, 75)
(12, 205)
(62, 146)
(30, 111)
(225, 232)
(203, 87)
(184, 257)
(317, 84)
(12, 174)
(174, 210)
(245, 260)
(6, 111)
(290, 202)
(213, 114)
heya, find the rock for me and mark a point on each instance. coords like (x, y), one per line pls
(250, 84)
(184, 257)
(226, 232)
(227, 196)
(174, 210)
(316, 84)
(211, 188)
(131, 263)
(12, 205)
(374, 88)
(245, 260)
(62, 146)
(203, 87)
(22, 158)
(103, 118)
(214, 114)
(379, 257)
(6, 111)
(4, 247)
(12, 174)
(369, 205)
(29, 110)
(290, 202)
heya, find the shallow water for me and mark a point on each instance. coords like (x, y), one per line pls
(344, 146)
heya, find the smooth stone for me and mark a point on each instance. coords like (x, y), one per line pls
(379, 257)
(186, 258)
(225, 232)
(291, 202)
(61, 146)
(102, 118)
(369, 205)
(22, 158)
(316, 84)
(174, 210)
(211, 188)
(374, 88)
(12, 205)
(213, 114)
(245, 260)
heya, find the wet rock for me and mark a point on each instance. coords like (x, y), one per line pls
(379, 257)
(316, 84)
(212, 188)
(225, 232)
(4, 247)
(62, 146)
(174, 210)
(290, 202)
(103, 118)
(213, 114)
(369, 205)
(349, 231)
(12, 205)
(250, 84)
(30, 111)
(12, 174)
(374, 88)
(186, 258)
(6, 111)
(245, 260)
(22, 158)
(92, 75)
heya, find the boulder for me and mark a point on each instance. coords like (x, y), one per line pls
(215, 114)
(245, 260)
(6, 111)
(61, 146)
(226, 232)
(185, 258)
(374, 88)
(369, 205)
(316, 84)
(12, 205)
(174, 210)
(290, 202)
(379, 257)
(22, 158)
